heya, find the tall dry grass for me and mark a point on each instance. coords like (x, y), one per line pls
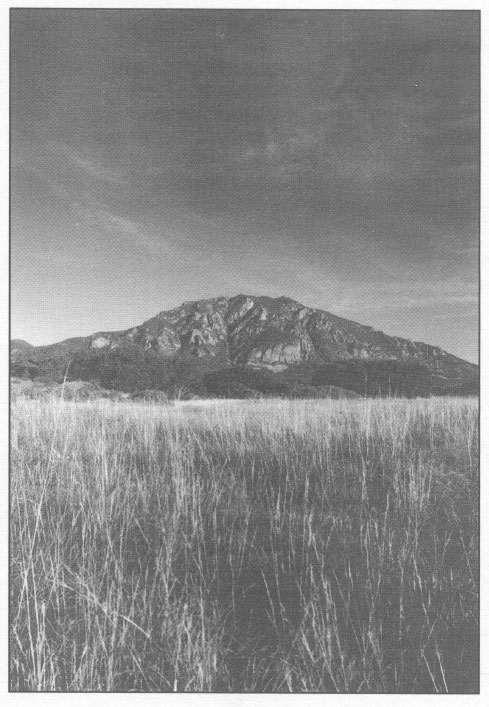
(245, 546)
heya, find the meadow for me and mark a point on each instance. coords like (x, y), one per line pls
(262, 545)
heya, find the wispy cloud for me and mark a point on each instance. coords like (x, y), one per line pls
(422, 294)
(68, 172)
(88, 164)
(131, 233)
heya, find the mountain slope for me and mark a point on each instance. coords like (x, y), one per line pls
(20, 344)
(273, 339)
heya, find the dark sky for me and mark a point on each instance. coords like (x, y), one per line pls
(330, 156)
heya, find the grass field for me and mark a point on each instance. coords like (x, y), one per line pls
(245, 546)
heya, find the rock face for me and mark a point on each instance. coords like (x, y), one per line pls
(259, 333)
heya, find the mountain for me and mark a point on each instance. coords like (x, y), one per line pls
(245, 345)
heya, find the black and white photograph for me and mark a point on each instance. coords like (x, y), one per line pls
(244, 350)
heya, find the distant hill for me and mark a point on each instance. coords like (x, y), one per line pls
(20, 344)
(245, 346)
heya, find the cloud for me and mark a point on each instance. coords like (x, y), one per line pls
(69, 172)
(421, 294)
(88, 164)
(129, 233)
